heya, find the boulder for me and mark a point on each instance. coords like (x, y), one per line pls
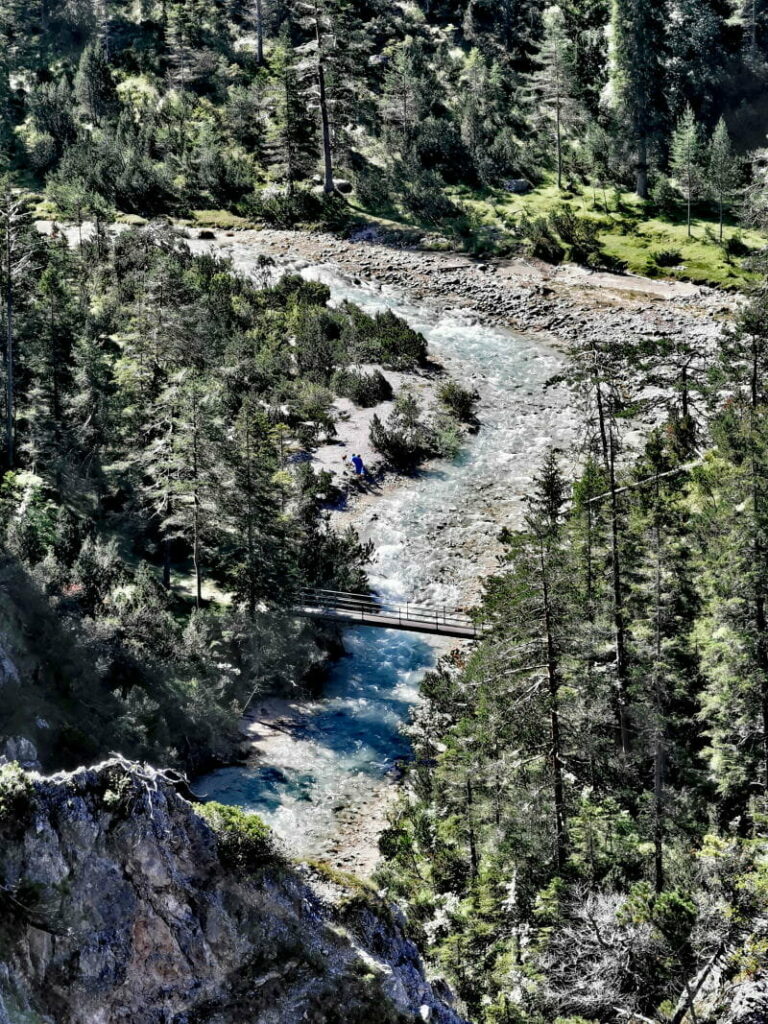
(517, 186)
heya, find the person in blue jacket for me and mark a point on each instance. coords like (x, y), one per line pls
(357, 462)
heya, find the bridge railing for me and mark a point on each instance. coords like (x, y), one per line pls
(364, 608)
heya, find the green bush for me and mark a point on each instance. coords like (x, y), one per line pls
(736, 246)
(460, 402)
(667, 257)
(577, 232)
(373, 189)
(287, 207)
(405, 440)
(364, 389)
(245, 843)
(542, 242)
(664, 194)
(393, 343)
(16, 795)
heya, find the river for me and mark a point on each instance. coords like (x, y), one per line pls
(436, 538)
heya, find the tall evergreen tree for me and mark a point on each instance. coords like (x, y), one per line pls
(686, 159)
(722, 169)
(552, 83)
(94, 85)
(637, 48)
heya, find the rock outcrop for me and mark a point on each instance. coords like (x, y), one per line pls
(118, 904)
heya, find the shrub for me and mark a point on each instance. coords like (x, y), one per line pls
(287, 207)
(667, 257)
(245, 843)
(16, 795)
(577, 232)
(459, 401)
(364, 389)
(542, 243)
(664, 194)
(373, 189)
(395, 344)
(405, 440)
(447, 438)
(736, 246)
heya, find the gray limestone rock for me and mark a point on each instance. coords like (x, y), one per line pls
(118, 907)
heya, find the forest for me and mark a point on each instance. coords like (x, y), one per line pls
(598, 131)
(580, 835)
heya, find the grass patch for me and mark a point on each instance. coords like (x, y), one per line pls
(629, 231)
(360, 894)
(133, 219)
(221, 219)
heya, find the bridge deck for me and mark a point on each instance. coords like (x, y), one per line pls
(361, 610)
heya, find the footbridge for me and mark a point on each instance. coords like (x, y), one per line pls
(364, 610)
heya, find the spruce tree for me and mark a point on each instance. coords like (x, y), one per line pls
(722, 169)
(686, 160)
(94, 86)
(552, 83)
(637, 49)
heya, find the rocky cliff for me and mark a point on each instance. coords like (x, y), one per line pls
(119, 902)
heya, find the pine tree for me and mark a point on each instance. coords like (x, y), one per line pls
(18, 247)
(532, 606)
(250, 504)
(599, 372)
(662, 606)
(184, 467)
(736, 560)
(637, 48)
(722, 169)
(686, 160)
(94, 86)
(332, 60)
(552, 83)
(292, 137)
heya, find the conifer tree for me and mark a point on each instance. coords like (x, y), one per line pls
(534, 602)
(552, 82)
(251, 505)
(736, 656)
(686, 160)
(94, 86)
(722, 169)
(637, 47)
(18, 246)
(292, 135)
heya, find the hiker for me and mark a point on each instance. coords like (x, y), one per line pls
(357, 462)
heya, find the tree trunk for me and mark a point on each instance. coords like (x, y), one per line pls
(473, 858)
(761, 625)
(606, 439)
(167, 564)
(559, 146)
(328, 185)
(689, 205)
(558, 789)
(259, 32)
(641, 168)
(325, 122)
(658, 739)
(9, 382)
